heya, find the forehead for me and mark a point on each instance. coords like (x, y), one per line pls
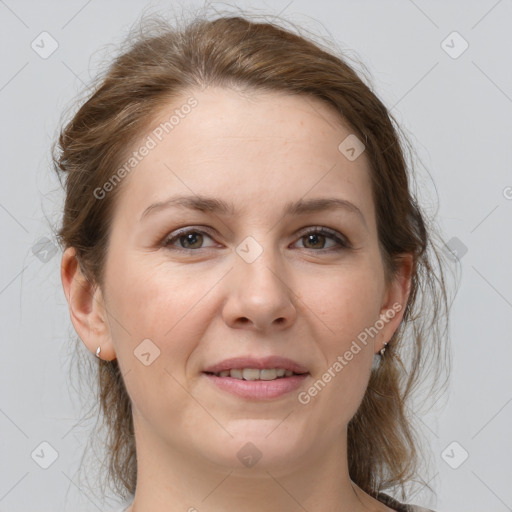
(245, 147)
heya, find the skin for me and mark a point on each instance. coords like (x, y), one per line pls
(298, 299)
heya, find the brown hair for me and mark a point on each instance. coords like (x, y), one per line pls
(232, 51)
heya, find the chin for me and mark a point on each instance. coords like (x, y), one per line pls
(259, 445)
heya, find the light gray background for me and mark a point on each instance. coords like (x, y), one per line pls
(458, 112)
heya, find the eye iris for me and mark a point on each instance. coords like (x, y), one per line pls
(314, 238)
(194, 240)
(191, 239)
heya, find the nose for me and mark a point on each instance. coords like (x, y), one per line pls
(260, 295)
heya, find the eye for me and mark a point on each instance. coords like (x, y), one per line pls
(188, 239)
(318, 235)
(193, 239)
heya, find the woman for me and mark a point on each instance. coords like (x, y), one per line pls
(244, 256)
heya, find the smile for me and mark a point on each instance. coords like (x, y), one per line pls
(254, 384)
(255, 373)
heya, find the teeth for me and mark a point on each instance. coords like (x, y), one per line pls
(250, 373)
(267, 374)
(236, 374)
(255, 374)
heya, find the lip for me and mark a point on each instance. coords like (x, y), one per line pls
(258, 389)
(257, 363)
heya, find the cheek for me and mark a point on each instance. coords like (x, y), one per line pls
(346, 307)
(159, 302)
(337, 390)
(346, 301)
(164, 306)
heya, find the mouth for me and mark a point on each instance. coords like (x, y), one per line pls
(257, 379)
(253, 374)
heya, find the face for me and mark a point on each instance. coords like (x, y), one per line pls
(187, 287)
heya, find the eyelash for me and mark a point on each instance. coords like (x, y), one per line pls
(342, 242)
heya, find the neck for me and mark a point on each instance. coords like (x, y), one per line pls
(169, 479)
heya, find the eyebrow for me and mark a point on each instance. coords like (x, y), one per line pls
(219, 206)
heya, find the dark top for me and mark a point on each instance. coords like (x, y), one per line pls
(383, 498)
(397, 506)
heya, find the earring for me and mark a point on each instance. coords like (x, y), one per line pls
(383, 349)
(98, 350)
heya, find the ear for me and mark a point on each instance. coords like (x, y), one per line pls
(394, 300)
(86, 307)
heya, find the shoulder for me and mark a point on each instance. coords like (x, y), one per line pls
(399, 507)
